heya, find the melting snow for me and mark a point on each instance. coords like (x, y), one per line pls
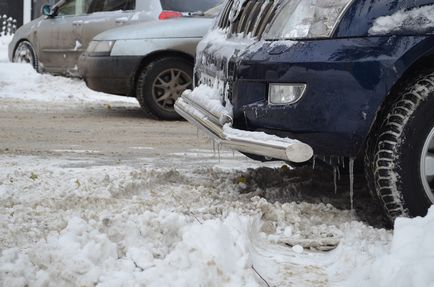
(417, 20)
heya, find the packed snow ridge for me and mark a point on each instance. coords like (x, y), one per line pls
(416, 20)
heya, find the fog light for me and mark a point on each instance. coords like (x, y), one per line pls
(285, 94)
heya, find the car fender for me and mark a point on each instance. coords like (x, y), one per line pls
(143, 47)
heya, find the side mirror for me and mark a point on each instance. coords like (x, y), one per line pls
(47, 11)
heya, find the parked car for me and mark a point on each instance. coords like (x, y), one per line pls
(54, 42)
(150, 61)
(335, 79)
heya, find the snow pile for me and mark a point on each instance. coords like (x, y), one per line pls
(49, 88)
(4, 42)
(74, 223)
(410, 261)
(208, 98)
(45, 87)
(214, 253)
(417, 20)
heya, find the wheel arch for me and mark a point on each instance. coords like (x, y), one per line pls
(148, 59)
(410, 72)
(19, 42)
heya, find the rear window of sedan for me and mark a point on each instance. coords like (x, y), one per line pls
(190, 5)
(112, 5)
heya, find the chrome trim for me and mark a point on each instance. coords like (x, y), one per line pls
(213, 126)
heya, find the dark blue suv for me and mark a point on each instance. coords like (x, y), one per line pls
(335, 80)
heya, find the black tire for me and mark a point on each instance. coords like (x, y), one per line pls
(148, 93)
(24, 53)
(394, 150)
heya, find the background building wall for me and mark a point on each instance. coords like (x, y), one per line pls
(14, 9)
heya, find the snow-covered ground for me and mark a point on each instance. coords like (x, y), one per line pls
(185, 218)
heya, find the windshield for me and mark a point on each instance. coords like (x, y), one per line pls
(189, 5)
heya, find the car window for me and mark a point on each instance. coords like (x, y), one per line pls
(111, 5)
(74, 7)
(190, 5)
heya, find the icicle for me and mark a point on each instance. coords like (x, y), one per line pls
(233, 154)
(218, 151)
(339, 173)
(213, 147)
(351, 170)
(335, 179)
(313, 162)
(343, 163)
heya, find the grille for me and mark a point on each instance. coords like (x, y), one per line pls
(252, 17)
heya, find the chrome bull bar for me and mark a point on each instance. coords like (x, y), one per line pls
(213, 123)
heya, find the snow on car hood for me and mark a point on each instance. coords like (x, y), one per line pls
(194, 27)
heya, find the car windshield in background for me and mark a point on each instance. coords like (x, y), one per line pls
(190, 5)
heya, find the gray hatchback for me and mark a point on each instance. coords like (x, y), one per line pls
(54, 42)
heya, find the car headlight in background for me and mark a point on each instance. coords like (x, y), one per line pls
(285, 94)
(100, 48)
(308, 19)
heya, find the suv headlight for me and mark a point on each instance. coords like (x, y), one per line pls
(100, 48)
(308, 19)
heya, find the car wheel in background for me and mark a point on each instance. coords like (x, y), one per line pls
(24, 53)
(161, 83)
(399, 161)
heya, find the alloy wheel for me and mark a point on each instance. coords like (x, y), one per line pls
(168, 87)
(23, 54)
(427, 166)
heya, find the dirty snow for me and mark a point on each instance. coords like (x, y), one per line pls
(80, 219)
(4, 41)
(417, 20)
(19, 81)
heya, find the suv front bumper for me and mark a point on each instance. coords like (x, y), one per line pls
(107, 74)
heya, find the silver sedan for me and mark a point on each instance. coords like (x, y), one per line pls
(151, 61)
(54, 42)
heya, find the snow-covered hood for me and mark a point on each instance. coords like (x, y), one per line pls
(194, 27)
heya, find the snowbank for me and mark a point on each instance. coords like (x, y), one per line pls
(73, 223)
(417, 20)
(410, 261)
(21, 82)
(215, 253)
(4, 42)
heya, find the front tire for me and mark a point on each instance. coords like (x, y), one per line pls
(24, 53)
(399, 161)
(161, 83)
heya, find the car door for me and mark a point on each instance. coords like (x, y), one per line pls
(58, 37)
(104, 15)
